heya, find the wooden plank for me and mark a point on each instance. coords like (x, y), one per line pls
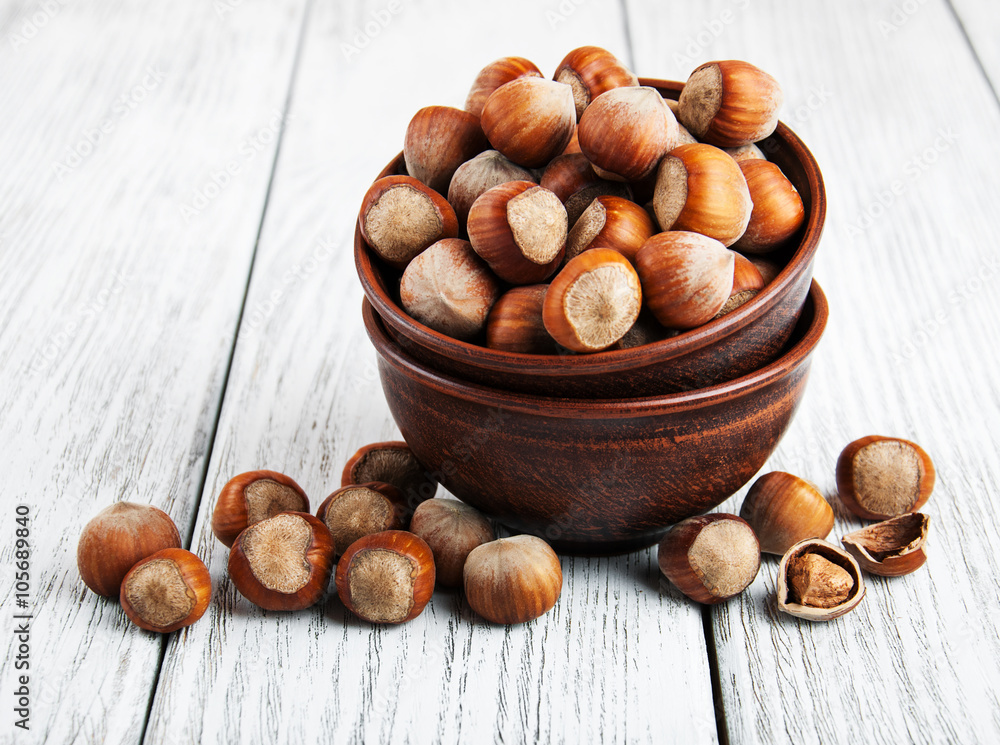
(616, 660)
(907, 142)
(125, 247)
(981, 24)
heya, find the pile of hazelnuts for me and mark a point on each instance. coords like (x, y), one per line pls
(389, 538)
(585, 212)
(712, 558)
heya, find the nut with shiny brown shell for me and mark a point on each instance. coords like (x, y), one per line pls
(519, 229)
(449, 289)
(710, 558)
(516, 324)
(747, 284)
(400, 217)
(438, 140)
(394, 463)
(591, 71)
(777, 208)
(357, 510)
(818, 581)
(251, 497)
(386, 577)
(686, 277)
(593, 301)
(478, 175)
(890, 548)
(730, 103)
(530, 120)
(283, 562)
(452, 529)
(166, 591)
(626, 131)
(882, 477)
(784, 509)
(701, 189)
(572, 178)
(494, 75)
(512, 580)
(611, 222)
(116, 538)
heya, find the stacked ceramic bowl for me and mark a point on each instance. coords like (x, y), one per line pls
(602, 452)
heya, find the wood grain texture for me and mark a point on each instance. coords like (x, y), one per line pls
(616, 659)
(909, 263)
(118, 310)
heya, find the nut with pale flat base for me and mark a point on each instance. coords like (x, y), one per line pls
(394, 463)
(251, 497)
(882, 477)
(357, 510)
(591, 71)
(166, 591)
(730, 103)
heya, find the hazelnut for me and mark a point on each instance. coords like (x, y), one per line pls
(519, 229)
(593, 301)
(745, 152)
(452, 529)
(777, 208)
(512, 580)
(118, 537)
(449, 289)
(747, 284)
(530, 120)
(768, 269)
(818, 582)
(730, 103)
(626, 131)
(486, 170)
(438, 140)
(166, 591)
(357, 510)
(393, 463)
(686, 277)
(890, 548)
(386, 577)
(574, 144)
(710, 558)
(701, 189)
(515, 324)
(591, 71)
(645, 330)
(400, 217)
(252, 497)
(572, 178)
(783, 510)
(283, 562)
(611, 222)
(494, 75)
(882, 477)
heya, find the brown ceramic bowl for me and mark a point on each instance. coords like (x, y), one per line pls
(595, 476)
(738, 343)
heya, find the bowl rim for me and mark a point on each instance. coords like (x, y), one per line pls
(607, 408)
(611, 360)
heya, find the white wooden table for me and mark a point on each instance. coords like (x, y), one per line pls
(178, 189)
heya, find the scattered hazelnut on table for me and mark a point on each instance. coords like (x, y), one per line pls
(783, 510)
(118, 537)
(512, 580)
(251, 497)
(394, 463)
(710, 558)
(818, 581)
(283, 562)
(386, 577)
(166, 591)
(452, 529)
(882, 477)
(357, 510)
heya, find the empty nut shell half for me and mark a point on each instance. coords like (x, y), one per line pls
(890, 548)
(818, 581)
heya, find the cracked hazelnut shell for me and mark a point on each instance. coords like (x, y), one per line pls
(891, 548)
(818, 590)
